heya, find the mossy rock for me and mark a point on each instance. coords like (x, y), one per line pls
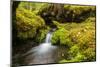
(61, 37)
(27, 23)
(33, 7)
(78, 13)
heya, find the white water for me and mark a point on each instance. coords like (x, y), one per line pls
(44, 53)
(48, 38)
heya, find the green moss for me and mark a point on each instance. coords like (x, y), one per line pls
(78, 37)
(82, 39)
(77, 9)
(33, 7)
(79, 13)
(90, 54)
(28, 23)
(61, 37)
(78, 58)
(74, 50)
(59, 25)
(40, 37)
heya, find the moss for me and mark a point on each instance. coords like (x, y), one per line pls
(82, 37)
(78, 58)
(79, 9)
(74, 50)
(79, 38)
(90, 54)
(61, 37)
(79, 13)
(27, 23)
(59, 25)
(40, 37)
(29, 6)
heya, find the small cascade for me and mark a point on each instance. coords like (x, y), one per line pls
(44, 53)
(48, 38)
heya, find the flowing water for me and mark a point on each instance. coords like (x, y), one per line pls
(44, 53)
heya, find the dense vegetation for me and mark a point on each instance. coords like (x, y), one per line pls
(74, 24)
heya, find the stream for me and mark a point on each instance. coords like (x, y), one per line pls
(45, 53)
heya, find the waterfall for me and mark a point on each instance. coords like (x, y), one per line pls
(43, 53)
(48, 38)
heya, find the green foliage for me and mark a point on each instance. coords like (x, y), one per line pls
(82, 39)
(84, 36)
(61, 37)
(79, 13)
(33, 7)
(79, 9)
(27, 23)
(74, 50)
(78, 58)
(40, 37)
(90, 54)
(78, 37)
(59, 25)
(66, 13)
